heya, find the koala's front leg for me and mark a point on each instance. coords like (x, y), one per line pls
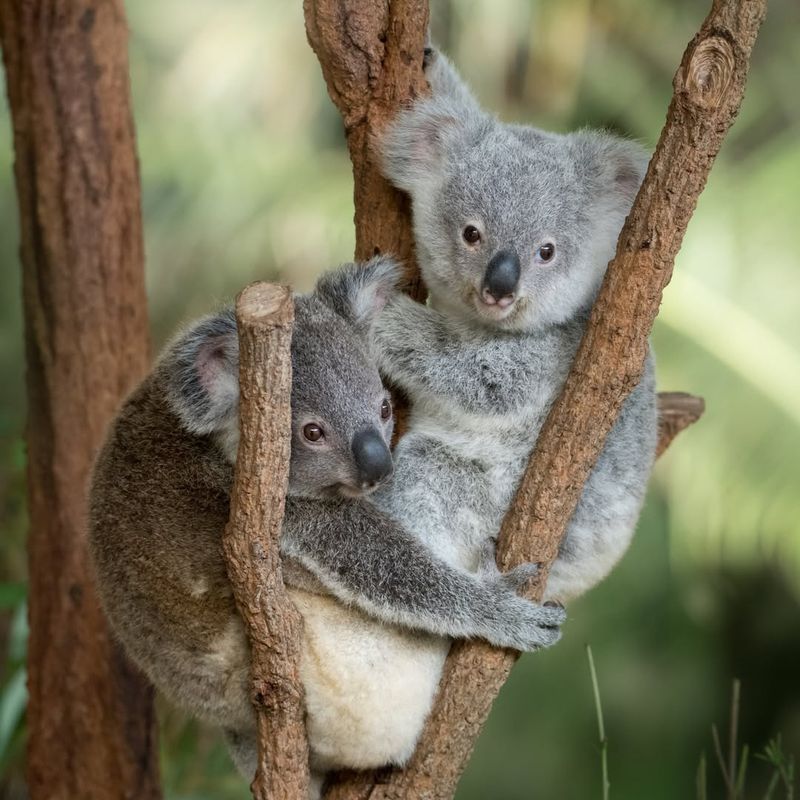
(602, 526)
(365, 558)
(425, 354)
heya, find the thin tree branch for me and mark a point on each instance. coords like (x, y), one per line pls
(264, 317)
(708, 90)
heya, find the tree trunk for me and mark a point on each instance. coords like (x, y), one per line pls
(91, 724)
(371, 57)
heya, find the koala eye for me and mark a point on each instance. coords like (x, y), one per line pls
(545, 252)
(471, 234)
(313, 432)
(386, 410)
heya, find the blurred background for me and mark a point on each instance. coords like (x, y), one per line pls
(245, 175)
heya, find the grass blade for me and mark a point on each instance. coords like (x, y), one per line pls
(701, 781)
(601, 728)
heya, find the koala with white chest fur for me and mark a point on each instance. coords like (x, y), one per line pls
(160, 502)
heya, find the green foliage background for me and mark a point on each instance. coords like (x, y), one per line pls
(245, 175)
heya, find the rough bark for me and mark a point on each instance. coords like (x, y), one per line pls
(708, 89)
(91, 725)
(264, 317)
(371, 56)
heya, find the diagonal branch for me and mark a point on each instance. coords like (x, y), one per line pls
(708, 90)
(264, 317)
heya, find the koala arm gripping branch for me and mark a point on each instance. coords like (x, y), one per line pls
(603, 522)
(425, 354)
(364, 558)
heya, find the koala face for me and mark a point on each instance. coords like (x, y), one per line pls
(514, 227)
(341, 414)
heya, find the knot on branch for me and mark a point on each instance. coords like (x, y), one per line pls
(275, 694)
(709, 72)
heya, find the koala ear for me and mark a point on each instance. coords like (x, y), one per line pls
(201, 369)
(358, 292)
(617, 164)
(415, 143)
(445, 81)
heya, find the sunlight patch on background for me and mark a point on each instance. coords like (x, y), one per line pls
(735, 338)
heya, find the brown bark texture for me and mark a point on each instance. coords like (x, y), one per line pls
(371, 57)
(91, 724)
(708, 89)
(264, 318)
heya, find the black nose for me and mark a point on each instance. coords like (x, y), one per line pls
(373, 459)
(502, 274)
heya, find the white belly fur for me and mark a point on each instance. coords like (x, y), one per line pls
(369, 686)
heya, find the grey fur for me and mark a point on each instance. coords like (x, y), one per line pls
(482, 379)
(159, 504)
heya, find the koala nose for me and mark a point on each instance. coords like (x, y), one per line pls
(502, 276)
(372, 456)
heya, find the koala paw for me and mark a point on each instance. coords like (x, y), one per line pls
(528, 626)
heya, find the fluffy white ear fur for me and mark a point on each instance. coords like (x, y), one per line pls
(358, 292)
(414, 144)
(618, 164)
(202, 367)
(445, 81)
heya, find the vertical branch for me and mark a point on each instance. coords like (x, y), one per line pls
(91, 725)
(371, 57)
(264, 317)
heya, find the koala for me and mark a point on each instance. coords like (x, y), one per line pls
(514, 228)
(366, 586)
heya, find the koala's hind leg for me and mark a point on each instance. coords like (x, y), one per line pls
(243, 748)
